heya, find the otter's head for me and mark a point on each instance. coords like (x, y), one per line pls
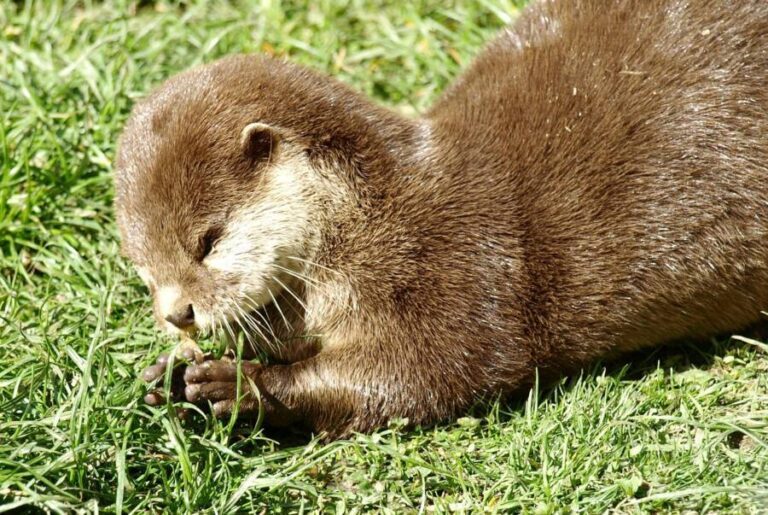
(217, 200)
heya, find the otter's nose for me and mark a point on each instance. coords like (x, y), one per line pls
(183, 317)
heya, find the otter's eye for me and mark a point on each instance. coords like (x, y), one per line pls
(208, 241)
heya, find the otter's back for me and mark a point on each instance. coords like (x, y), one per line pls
(626, 147)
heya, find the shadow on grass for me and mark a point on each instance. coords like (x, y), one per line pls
(677, 357)
(672, 358)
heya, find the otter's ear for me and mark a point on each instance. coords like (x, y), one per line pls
(259, 141)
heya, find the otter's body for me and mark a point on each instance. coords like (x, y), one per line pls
(596, 182)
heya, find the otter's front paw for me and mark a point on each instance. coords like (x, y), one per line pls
(156, 373)
(215, 382)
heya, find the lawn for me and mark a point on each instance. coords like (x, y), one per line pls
(672, 430)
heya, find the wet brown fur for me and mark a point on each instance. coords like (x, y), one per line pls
(596, 182)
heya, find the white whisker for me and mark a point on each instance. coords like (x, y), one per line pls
(313, 263)
(292, 294)
(282, 315)
(310, 281)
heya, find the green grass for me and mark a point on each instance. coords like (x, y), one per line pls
(673, 431)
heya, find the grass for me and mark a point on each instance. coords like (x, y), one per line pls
(674, 430)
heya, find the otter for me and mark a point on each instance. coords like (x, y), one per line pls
(596, 182)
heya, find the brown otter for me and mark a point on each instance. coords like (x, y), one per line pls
(596, 182)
